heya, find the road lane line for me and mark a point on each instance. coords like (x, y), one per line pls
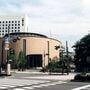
(83, 87)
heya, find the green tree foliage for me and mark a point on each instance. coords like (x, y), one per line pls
(60, 66)
(21, 61)
(82, 51)
(12, 58)
(54, 66)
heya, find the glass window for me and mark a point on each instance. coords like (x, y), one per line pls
(9, 22)
(22, 21)
(15, 27)
(15, 30)
(0, 21)
(18, 27)
(15, 21)
(12, 21)
(6, 24)
(12, 27)
(18, 24)
(3, 22)
(18, 30)
(2, 30)
(6, 21)
(12, 30)
(6, 27)
(2, 27)
(6, 31)
(15, 24)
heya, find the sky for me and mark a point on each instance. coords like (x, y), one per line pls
(61, 19)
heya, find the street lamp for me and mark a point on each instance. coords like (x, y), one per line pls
(7, 46)
(7, 55)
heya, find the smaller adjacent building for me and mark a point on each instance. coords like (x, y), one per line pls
(38, 49)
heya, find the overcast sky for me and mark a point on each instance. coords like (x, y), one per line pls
(62, 19)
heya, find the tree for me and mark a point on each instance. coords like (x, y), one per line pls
(12, 58)
(21, 61)
(82, 51)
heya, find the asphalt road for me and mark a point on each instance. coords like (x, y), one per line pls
(21, 81)
(66, 86)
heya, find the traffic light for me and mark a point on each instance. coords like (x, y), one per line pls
(57, 47)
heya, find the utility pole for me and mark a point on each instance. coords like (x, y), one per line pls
(48, 52)
(67, 52)
(67, 48)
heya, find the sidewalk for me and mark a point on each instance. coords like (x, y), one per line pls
(46, 75)
(55, 77)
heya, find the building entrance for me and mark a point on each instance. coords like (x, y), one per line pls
(34, 60)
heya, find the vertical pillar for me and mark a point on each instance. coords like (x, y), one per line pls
(48, 51)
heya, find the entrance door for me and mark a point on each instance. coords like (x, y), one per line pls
(34, 60)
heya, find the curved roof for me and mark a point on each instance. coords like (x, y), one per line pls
(26, 34)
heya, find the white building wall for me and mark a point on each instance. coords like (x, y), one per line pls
(14, 23)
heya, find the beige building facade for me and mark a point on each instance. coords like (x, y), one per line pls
(38, 49)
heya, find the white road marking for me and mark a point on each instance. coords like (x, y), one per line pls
(28, 87)
(48, 84)
(80, 88)
(32, 84)
(3, 87)
(19, 89)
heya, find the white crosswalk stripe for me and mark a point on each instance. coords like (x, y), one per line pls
(86, 87)
(28, 87)
(19, 84)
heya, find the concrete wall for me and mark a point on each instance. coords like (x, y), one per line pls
(38, 45)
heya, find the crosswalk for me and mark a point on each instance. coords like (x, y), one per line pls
(22, 84)
(86, 87)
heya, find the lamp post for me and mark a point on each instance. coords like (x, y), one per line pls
(7, 45)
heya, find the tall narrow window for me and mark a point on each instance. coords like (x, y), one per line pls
(22, 21)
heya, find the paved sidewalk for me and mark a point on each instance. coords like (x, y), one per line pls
(54, 77)
(46, 75)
